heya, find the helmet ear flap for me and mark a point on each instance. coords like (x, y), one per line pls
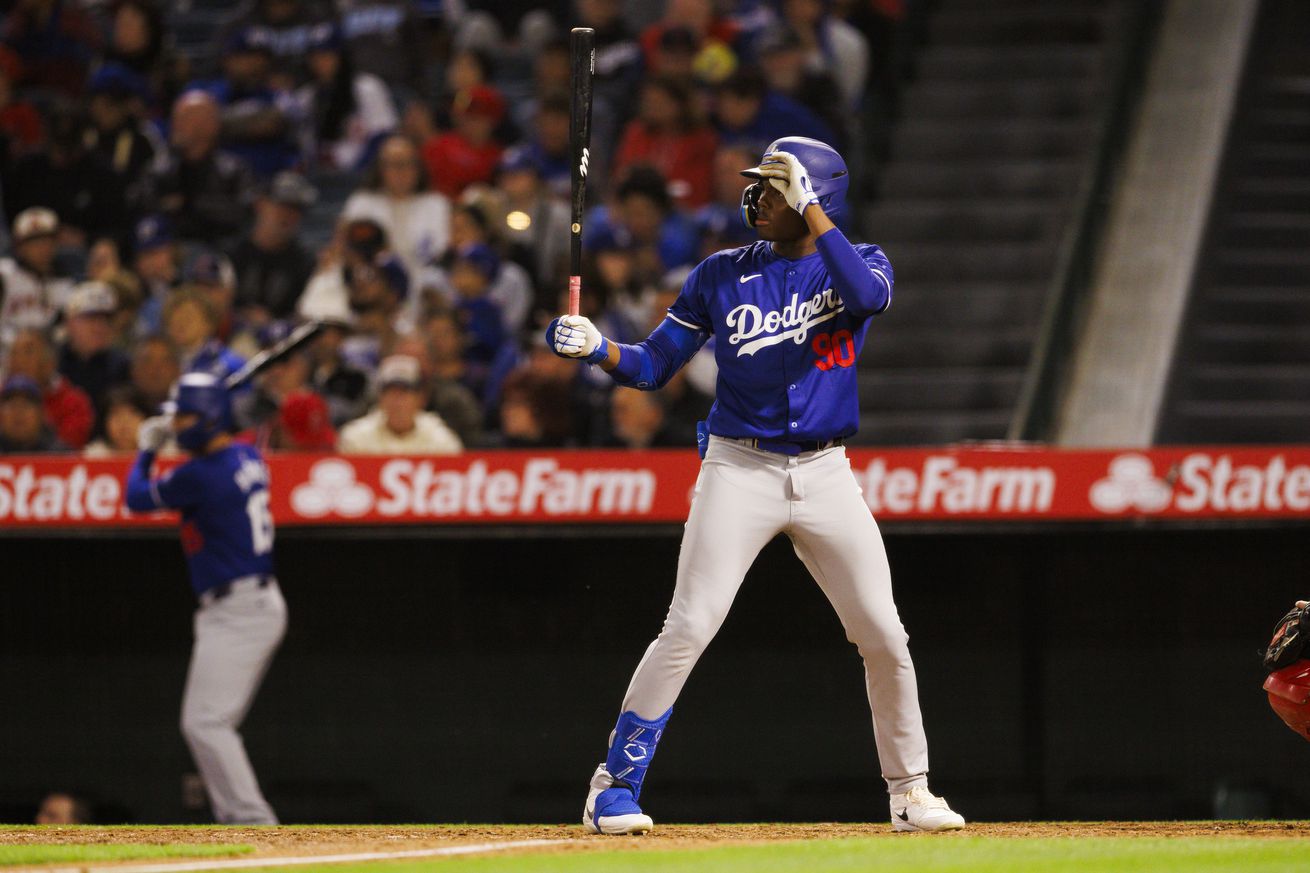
(750, 203)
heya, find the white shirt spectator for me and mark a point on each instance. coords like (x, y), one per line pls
(371, 436)
(27, 300)
(418, 227)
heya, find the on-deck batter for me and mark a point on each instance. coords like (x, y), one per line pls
(227, 534)
(790, 313)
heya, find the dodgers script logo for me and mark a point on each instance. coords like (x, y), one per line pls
(794, 321)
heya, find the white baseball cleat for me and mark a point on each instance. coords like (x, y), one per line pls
(611, 808)
(920, 810)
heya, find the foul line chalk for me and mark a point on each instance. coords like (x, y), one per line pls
(247, 863)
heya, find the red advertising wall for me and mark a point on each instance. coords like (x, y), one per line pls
(616, 487)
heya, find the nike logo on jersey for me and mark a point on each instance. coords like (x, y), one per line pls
(744, 279)
(794, 320)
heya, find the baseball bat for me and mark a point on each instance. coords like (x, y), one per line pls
(582, 50)
(298, 338)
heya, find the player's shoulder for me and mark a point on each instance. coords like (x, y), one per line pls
(736, 258)
(869, 250)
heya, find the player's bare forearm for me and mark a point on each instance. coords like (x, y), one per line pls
(611, 358)
(817, 220)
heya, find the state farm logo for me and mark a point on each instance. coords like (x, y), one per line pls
(1131, 484)
(332, 489)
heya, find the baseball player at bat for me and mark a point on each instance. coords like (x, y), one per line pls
(227, 535)
(790, 313)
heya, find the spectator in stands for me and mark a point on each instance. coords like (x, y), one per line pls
(88, 358)
(749, 114)
(155, 262)
(536, 224)
(394, 195)
(448, 395)
(116, 132)
(830, 44)
(344, 387)
(719, 222)
(70, 180)
(663, 237)
(282, 25)
(66, 407)
(611, 281)
(124, 413)
(21, 129)
(191, 325)
(535, 410)
(212, 276)
(273, 266)
(59, 808)
(137, 41)
(301, 424)
(155, 367)
(470, 153)
(511, 287)
(698, 18)
(259, 119)
(668, 135)
(399, 425)
(549, 142)
(56, 40)
(347, 113)
(104, 264)
(23, 427)
(204, 192)
(782, 62)
(552, 71)
(471, 273)
(639, 423)
(31, 292)
(260, 406)
(386, 40)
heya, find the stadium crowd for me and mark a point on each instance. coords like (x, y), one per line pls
(399, 170)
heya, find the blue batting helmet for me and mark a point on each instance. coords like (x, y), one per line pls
(205, 396)
(827, 171)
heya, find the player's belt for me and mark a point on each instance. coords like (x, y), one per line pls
(793, 447)
(218, 592)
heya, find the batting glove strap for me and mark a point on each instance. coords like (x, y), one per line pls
(633, 748)
(601, 353)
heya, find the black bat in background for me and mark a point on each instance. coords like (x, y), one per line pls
(297, 339)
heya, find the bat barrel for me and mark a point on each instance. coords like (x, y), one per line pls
(582, 51)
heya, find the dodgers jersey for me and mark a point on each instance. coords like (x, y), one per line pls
(227, 526)
(786, 343)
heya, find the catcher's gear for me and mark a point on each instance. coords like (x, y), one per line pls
(1289, 695)
(1290, 636)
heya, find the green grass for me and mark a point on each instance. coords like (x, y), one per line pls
(904, 855)
(48, 853)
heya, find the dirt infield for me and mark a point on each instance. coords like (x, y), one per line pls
(314, 840)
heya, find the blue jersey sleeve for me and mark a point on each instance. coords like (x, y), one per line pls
(690, 309)
(863, 279)
(177, 489)
(651, 363)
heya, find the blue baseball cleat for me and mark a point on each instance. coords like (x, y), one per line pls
(611, 807)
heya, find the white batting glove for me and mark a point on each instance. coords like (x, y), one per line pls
(787, 174)
(573, 336)
(154, 432)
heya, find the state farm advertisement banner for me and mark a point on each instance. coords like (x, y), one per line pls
(618, 487)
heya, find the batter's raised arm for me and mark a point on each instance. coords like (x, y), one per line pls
(863, 281)
(647, 365)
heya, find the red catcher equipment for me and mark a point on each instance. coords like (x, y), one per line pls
(1289, 695)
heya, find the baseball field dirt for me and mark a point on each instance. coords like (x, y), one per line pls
(803, 848)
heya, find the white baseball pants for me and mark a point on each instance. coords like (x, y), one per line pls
(235, 639)
(744, 497)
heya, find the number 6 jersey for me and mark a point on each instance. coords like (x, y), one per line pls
(785, 341)
(227, 528)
